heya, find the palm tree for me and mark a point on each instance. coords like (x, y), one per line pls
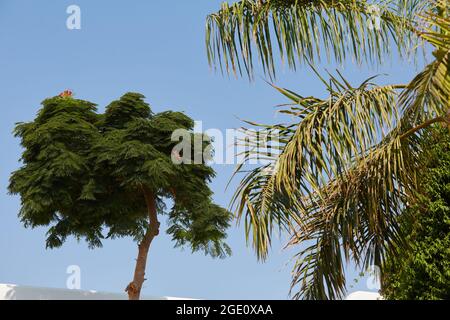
(307, 30)
(347, 166)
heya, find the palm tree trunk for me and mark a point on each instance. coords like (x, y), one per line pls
(135, 286)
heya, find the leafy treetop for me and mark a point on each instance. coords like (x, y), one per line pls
(88, 175)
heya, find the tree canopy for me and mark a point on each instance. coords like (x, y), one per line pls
(84, 174)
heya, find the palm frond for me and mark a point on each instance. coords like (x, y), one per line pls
(307, 30)
(256, 200)
(335, 132)
(354, 217)
(355, 214)
(347, 167)
(428, 94)
(330, 134)
(344, 173)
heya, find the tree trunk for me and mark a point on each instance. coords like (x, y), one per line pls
(135, 286)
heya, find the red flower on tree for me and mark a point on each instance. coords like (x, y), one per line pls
(66, 94)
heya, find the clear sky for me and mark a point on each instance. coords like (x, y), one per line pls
(155, 48)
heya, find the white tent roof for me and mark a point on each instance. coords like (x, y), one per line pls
(364, 295)
(15, 292)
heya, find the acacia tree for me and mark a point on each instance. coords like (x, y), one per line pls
(97, 176)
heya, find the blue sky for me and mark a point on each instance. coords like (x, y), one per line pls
(155, 48)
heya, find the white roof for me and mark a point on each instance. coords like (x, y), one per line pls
(364, 295)
(15, 292)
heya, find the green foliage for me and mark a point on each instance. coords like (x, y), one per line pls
(347, 166)
(307, 31)
(84, 174)
(423, 270)
(56, 157)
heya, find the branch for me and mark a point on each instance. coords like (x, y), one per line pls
(154, 224)
(424, 125)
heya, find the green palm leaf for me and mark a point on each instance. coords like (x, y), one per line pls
(355, 217)
(346, 167)
(307, 30)
(331, 133)
(428, 94)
